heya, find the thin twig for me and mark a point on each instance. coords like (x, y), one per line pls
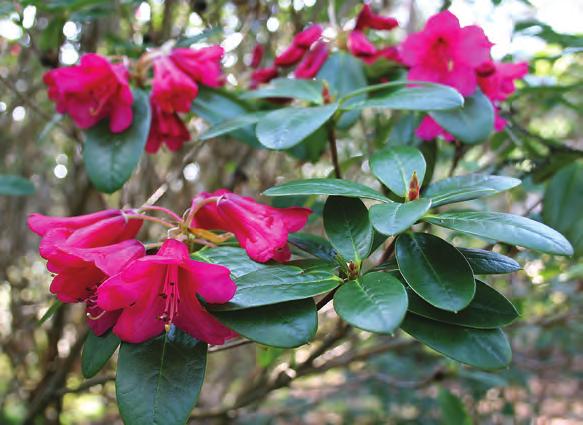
(334, 149)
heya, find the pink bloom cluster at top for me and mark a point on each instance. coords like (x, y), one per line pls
(174, 87)
(97, 89)
(444, 52)
(308, 52)
(97, 261)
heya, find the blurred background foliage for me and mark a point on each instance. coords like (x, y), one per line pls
(360, 378)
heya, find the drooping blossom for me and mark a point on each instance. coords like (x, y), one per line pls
(429, 129)
(497, 79)
(300, 45)
(390, 53)
(166, 128)
(172, 89)
(263, 75)
(360, 46)
(156, 291)
(91, 91)
(260, 229)
(202, 65)
(257, 56)
(312, 62)
(446, 53)
(307, 37)
(290, 56)
(368, 19)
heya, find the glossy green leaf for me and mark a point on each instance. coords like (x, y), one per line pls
(464, 188)
(348, 227)
(393, 218)
(429, 97)
(325, 187)
(314, 264)
(508, 228)
(563, 204)
(15, 186)
(286, 127)
(482, 348)
(350, 79)
(394, 167)
(229, 126)
(472, 123)
(284, 325)
(489, 262)
(55, 306)
(97, 350)
(489, 309)
(376, 302)
(435, 270)
(235, 259)
(216, 106)
(110, 158)
(158, 381)
(313, 244)
(278, 284)
(453, 410)
(308, 90)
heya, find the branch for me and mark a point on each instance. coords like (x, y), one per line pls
(334, 149)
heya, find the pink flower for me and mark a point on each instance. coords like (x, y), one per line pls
(497, 79)
(360, 46)
(257, 56)
(368, 19)
(91, 91)
(429, 130)
(96, 230)
(263, 75)
(172, 89)
(290, 56)
(159, 290)
(446, 53)
(203, 65)
(308, 36)
(260, 229)
(390, 53)
(312, 62)
(166, 128)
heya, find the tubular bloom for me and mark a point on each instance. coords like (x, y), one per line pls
(446, 53)
(172, 89)
(93, 90)
(166, 128)
(312, 62)
(263, 75)
(82, 251)
(368, 19)
(260, 229)
(156, 291)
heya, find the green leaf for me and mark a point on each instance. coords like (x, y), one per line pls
(55, 306)
(393, 218)
(507, 228)
(394, 167)
(336, 187)
(472, 123)
(453, 410)
(464, 188)
(158, 381)
(235, 259)
(350, 79)
(376, 302)
(313, 244)
(110, 158)
(563, 203)
(15, 186)
(482, 348)
(97, 350)
(229, 126)
(313, 264)
(286, 127)
(348, 227)
(308, 90)
(428, 97)
(278, 284)
(284, 325)
(489, 309)
(216, 106)
(489, 262)
(435, 270)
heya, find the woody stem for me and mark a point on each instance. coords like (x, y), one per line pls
(333, 149)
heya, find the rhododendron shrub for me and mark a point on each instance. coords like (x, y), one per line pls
(389, 250)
